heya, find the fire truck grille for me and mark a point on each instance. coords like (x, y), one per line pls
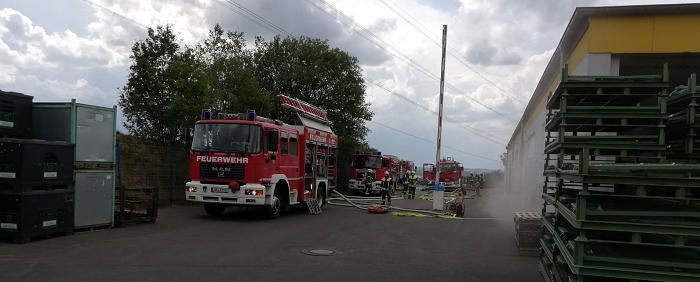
(227, 171)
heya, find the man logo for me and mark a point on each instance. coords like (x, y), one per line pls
(222, 174)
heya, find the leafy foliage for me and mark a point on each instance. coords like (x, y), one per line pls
(169, 84)
(166, 86)
(308, 69)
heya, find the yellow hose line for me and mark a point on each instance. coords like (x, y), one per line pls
(415, 214)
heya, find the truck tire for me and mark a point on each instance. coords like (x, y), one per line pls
(213, 209)
(275, 208)
(321, 198)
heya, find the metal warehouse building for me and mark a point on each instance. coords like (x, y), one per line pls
(602, 41)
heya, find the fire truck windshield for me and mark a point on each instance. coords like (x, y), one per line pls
(227, 137)
(448, 168)
(373, 162)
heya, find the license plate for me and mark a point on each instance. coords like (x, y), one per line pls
(219, 190)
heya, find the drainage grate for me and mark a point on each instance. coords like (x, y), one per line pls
(320, 252)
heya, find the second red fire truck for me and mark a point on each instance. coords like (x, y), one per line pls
(250, 161)
(450, 173)
(363, 162)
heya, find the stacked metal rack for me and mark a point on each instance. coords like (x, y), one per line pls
(36, 176)
(613, 207)
(684, 123)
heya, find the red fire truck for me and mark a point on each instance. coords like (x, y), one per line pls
(407, 166)
(450, 173)
(362, 162)
(250, 161)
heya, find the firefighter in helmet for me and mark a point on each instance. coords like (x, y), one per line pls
(368, 179)
(386, 187)
(412, 182)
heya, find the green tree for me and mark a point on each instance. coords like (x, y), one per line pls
(165, 90)
(310, 70)
(229, 68)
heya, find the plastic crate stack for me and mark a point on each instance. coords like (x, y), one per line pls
(614, 208)
(684, 123)
(36, 176)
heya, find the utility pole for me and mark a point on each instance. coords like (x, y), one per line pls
(439, 190)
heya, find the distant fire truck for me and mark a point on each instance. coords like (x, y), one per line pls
(250, 161)
(450, 173)
(407, 166)
(429, 173)
(362, 162)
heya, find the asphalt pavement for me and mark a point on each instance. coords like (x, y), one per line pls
(187, 245)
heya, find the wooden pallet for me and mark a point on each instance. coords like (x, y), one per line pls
(527, 216)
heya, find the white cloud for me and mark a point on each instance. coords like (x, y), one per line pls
(82, 53)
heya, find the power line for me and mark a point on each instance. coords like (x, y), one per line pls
(239, 6)
(451, 54)
(431, 142)
(115, 13)
(477, 132)
(407, 99)
(410, 61)
(248, 18)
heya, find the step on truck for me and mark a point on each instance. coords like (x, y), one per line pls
(245, 160)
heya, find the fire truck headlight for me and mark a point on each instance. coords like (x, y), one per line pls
(251, 192)
(190, 189)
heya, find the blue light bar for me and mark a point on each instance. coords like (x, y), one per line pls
(206, 114)
(251, 115)
(379, 153)
(357, 152)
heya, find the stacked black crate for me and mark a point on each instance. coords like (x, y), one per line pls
(36, 177)
(15, 115)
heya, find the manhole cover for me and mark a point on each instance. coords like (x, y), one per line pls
(320, 252)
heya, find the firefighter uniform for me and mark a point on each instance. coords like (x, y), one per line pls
(404, 182)
(412, 182)
(368, 179)
(386, 187)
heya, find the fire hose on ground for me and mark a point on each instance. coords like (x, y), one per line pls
(406, 212)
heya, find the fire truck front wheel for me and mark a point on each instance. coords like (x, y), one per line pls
(213, 209)
(275, 208)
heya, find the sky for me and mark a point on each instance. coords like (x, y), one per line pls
(497, 50)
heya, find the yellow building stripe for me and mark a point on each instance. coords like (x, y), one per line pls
(629, 34)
